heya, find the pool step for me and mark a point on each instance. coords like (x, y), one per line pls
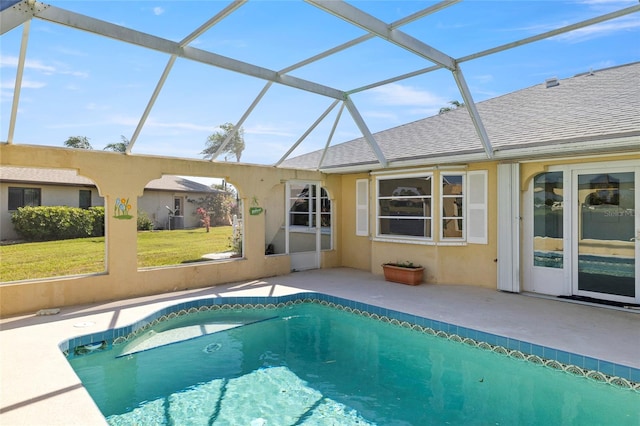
(155, 339)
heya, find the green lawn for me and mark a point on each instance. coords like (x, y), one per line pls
(86, 255)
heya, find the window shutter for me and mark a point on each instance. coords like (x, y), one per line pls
(362, 207)
(477, 207)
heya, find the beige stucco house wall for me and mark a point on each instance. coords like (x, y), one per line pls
(445, 263)
(257, 185)
(125, 176)
(442, 260)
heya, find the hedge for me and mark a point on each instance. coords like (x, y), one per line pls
(46, 223)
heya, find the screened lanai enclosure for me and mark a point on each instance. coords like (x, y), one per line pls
(354, 133)
(311, 74)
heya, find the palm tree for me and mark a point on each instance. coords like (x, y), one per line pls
(78, 142)
(454, 105)
(215, 140)
(118, 146)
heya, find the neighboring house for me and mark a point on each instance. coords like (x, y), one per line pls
(553, 204)
(164, 200)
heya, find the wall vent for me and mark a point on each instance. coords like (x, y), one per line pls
(551, 82)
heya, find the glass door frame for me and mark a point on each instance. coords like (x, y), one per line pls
(602, 168)
(538, 278)
(304, 260)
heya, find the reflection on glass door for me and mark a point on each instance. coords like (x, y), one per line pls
(548, 206)
(606, 235)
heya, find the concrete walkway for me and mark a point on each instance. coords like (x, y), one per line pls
(40, 388)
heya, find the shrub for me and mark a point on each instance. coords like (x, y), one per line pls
(144, 223)
(97, 214)
(47, 223)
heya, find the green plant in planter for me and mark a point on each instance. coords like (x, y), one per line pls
(405, 264)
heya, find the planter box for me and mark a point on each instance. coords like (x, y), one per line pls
(403, 274)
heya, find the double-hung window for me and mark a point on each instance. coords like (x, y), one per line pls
(408, 210)
(453, 207)
(405, 206)
(463, 207)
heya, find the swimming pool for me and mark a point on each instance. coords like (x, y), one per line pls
(298, 360)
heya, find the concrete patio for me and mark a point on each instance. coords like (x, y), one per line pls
(40, 388)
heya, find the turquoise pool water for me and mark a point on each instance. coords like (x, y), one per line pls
(314, 365)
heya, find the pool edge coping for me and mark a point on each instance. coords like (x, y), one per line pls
(615, 374)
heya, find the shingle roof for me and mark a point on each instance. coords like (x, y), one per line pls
(593, 106)
(69, 177)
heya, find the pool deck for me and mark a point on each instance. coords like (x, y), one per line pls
(38, 387)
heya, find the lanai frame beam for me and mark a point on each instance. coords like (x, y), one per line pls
(375, 26)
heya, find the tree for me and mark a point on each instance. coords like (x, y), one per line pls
(454, 105)
(215, 141)
(78, 142)
(218, 206)
(118, 146)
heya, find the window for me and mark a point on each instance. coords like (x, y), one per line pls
(547, 220)
(452, 203)
(404, 206)
(84, 201)
(23, 197)
(177, 206)
(304, 204)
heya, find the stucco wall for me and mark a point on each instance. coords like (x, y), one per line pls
(473, 264)
(124, 176)
(152, 202)
(357, 249)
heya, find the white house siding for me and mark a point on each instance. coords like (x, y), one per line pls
(155, 203)
(50, 195)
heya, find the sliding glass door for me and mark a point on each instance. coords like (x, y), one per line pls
(606, 233)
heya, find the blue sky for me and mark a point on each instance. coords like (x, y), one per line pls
(81, 84)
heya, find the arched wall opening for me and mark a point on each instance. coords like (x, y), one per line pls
(52, 224)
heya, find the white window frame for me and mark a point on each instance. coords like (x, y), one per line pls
(404, 238)
(463, 212)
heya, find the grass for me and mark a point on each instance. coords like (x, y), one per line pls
(181, 246)
(87, 255)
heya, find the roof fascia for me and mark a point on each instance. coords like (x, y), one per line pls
(608, 147)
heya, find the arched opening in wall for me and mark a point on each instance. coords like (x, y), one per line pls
(51, 224)
(188, 219)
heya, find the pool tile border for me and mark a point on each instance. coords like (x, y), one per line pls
(600, 370)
